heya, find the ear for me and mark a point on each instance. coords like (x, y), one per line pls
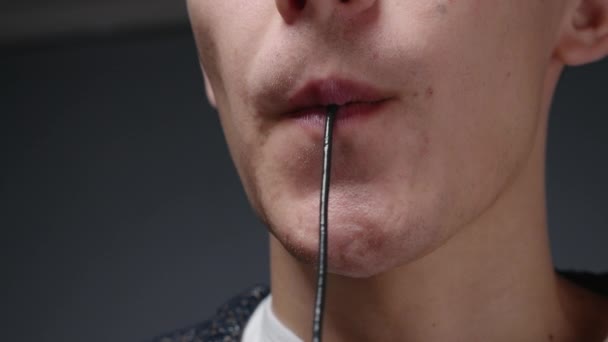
(584, 38)
(209, 90)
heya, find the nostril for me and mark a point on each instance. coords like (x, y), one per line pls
(299, 4)
(290, 9)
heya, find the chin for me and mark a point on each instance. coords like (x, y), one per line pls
(362, 243)
(369, 255)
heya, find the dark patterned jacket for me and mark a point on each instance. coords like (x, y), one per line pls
(229, 321)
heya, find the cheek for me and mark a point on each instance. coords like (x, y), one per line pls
(203, 18)
(485, 131)
(486, 76)
(228, 34)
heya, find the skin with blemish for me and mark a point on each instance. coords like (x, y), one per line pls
(437, 214)
(442, 8)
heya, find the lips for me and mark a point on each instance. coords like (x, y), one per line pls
(353, 98)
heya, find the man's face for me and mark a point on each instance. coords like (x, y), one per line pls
(441, 107)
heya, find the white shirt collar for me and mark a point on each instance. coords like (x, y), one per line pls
(264, 326)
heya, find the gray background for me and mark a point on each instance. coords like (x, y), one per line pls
(121, 213)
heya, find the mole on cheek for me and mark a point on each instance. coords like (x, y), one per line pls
(442, 8)
(430, 91)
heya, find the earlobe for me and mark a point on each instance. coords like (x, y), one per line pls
(584, 38)
(209, 91)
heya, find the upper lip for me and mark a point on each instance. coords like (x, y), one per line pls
(324, 92)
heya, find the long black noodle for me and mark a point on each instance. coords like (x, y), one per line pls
(317, 323)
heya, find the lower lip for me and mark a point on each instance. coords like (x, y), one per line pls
(346, 115)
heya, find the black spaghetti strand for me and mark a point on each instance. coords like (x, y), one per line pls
(317, 323)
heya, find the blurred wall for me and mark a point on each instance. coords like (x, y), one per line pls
(41, 21)
(122, 215)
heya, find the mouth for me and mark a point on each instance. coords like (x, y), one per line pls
(309, 104)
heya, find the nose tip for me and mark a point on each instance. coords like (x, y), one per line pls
(292, 10)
